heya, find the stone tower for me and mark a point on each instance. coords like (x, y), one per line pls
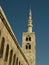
(28, 42)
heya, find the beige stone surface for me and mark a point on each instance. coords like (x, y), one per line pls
(29, 53)
(28, 40)
(11, 41)
(10, 51)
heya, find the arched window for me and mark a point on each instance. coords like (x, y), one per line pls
(7, 52)
(2, 47)
(10, 58)
(28, 38)
(21, 64)
(28, 46)
(14, 59)
(0, 32)
(17, 61)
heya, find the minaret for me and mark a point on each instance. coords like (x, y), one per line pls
(28, 42)
(29, 26)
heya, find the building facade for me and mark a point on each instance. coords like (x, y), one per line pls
(10, 51)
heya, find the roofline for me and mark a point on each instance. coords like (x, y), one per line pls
(8, 27)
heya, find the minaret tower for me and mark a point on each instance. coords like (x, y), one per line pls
(28, 42)
(29, 26)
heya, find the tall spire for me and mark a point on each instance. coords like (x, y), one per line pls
(29, 26)
(30, 16)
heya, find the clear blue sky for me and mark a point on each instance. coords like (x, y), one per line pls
(16, 12)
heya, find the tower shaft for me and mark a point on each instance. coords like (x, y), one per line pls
(28, 42)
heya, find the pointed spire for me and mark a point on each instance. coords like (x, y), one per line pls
(30, 21)
(30, 12)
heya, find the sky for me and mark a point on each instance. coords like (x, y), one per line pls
(17, 12)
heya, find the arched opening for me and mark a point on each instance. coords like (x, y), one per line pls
(10, 58)
(0, 32)
(2, 47)
(7, 52)
(17, 61)
(28, 46)
(28, 38)
(14, 59)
